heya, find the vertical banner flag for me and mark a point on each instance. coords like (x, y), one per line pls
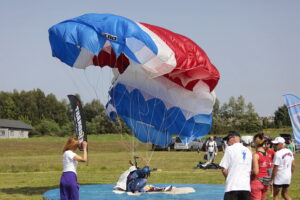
(79, 121)
(293, 104)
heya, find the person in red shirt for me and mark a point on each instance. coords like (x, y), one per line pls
(270, 154)
(260, 178)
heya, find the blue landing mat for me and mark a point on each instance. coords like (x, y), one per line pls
(104, 192)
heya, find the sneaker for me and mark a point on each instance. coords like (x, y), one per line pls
(168, 188)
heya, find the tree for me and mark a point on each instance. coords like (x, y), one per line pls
(267, 122)
(91, 110)
(7, 106)
(219, 125)
(253, 122)
(48, 127)
(235, 115)
(56, 110)
(282, 117)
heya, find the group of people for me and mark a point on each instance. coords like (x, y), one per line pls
(250, 175)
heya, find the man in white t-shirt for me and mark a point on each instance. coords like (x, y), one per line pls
(236, 167)
(284, 166)
(211, 149)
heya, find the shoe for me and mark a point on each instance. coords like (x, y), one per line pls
(168, 188)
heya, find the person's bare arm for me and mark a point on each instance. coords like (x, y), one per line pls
(275, 170)
(224, 172)
(84, 158)
(293, 166)
(255, 168)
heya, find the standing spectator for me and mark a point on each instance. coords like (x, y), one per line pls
(211, 149)
(224, 144)
(290, 146)
(270, 154)
(260, 179)
(284, 166)
(69, 187)
(236, 168)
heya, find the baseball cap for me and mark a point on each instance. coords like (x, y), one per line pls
(278, 140)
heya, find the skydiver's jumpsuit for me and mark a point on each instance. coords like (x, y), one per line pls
(136, 181)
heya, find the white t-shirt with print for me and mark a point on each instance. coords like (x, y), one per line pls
(237, 160)
(69, 164)
(211, 146)
(283, 159)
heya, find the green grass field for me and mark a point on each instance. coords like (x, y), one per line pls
(30, 167)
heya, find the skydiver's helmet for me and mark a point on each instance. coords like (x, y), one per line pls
(146, 171)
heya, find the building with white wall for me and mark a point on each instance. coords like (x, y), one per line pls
(13, 129)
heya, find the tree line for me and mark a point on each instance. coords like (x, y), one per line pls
(50, 116)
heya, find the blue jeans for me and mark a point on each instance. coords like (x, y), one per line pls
(210, 156)
(137, 185)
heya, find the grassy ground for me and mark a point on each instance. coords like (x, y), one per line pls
(30, 167)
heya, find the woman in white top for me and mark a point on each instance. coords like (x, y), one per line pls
(69, 188)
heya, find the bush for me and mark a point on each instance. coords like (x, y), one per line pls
(67, 129)
(34, 133)
(48, 127)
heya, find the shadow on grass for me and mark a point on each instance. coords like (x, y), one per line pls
(27, 190)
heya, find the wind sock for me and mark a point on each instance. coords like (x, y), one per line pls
(79, 121)
(293, 104)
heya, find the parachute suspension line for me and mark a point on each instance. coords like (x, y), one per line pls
(138, 132)
(70, 77)
(163, 124)
(134, 153)
(152, 150)
(160, 129)
(118, 119)
(123, 138)
(129, 147)
(92, 86)
(133, 148)
(146, 159)
(147, 111)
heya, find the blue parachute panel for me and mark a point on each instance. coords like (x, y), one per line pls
(91, 31)
(147, 133)
(152, 122)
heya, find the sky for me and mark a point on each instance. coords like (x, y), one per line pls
(254, 44)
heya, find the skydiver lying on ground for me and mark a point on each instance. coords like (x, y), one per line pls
(136, 180)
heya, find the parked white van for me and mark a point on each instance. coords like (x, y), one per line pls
(195, 145)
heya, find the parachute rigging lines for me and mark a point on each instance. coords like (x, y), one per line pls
(79, 121)
(163, 82)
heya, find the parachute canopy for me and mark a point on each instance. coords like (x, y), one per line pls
(163, 82)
